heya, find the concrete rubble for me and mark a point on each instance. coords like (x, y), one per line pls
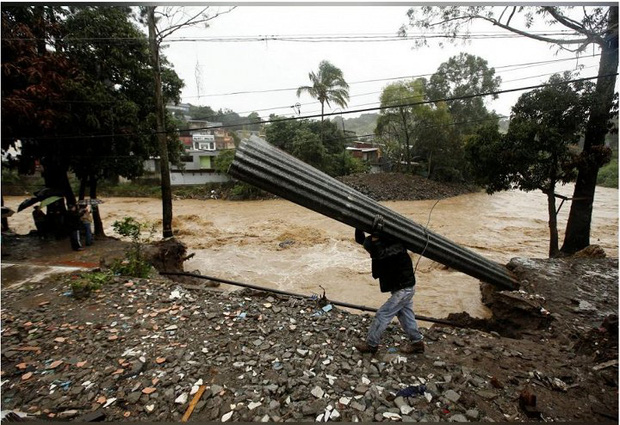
(142, 352)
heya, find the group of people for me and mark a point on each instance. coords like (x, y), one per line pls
(76, 221)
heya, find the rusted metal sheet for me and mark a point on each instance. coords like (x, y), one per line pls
(263, 165)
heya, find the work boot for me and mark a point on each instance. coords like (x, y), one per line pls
(364, 347)
(413, 348)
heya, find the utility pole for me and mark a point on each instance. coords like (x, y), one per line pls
(166, 191)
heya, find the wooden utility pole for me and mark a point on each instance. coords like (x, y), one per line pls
(166, 191)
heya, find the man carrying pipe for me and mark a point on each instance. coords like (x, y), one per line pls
(393, 267)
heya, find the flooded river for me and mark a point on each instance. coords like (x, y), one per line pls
(282, 245)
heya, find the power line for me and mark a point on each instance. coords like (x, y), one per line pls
(527, 64)
(312, 38)
(379, 108)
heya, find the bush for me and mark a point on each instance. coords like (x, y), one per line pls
(242, 191)
(82, 285)
(608, 174)
(134, 264)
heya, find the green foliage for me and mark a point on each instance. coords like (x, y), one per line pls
(415, 133)
(462, 76)
(320, 144)
(83, 284)
(307, 147)
(243, 191)
(134, 264)
(608, 174)
(223, 160)
(328, 86)
(95, 117)
(539, 149)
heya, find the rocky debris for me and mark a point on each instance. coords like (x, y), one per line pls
(403, 187)
(143, 351)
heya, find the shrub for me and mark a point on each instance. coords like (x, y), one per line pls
(608, 174)
(83, 284)
(133, 264)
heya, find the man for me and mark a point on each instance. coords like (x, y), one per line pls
(40, 221)
(74, 224)
(392, 265)
(86, 219)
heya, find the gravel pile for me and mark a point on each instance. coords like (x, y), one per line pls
(403, 187)
(145, 349)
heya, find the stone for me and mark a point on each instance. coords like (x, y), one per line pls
(473, 414)
(358, 406)
(457, 418)
(317, 392)
(182, 399)
(134, 397)
(68, 414)
(452, 395)
(487, 394)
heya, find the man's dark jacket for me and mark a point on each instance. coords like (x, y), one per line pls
(390, 262)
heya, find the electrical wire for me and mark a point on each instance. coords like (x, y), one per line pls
(428, 238)
(379, 108)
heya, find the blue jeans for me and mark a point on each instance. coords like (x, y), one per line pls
(88, 233)
(400, 304)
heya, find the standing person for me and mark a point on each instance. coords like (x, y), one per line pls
(74, 224)
(40, 221)
(87, 219)
(393, 267)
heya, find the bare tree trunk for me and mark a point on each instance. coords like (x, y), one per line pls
(82, 192)
(553, 225)
(97, 223)
(166, 191)
(579, 220)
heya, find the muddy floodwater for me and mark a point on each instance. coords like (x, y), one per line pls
(282, 245)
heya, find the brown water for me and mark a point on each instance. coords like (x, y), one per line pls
(241, 241)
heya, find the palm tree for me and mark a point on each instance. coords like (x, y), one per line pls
(328, 85)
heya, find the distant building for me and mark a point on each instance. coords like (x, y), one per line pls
(203, 141)
(368, 153)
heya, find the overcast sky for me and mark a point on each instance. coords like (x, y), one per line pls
(214, 67)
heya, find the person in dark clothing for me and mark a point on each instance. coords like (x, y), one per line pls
(40, 221)
(74, 224)
(393, 267)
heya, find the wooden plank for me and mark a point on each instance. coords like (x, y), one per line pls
(193, 403)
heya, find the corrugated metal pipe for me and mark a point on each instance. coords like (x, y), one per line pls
(263, 165)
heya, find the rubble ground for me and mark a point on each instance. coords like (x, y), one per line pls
(149, 349)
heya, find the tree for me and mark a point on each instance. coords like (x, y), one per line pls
(396, 121)
(540, 149)
(593, 25)
(328, 85)
(414, 129)
(101, 104)
(302, 139)
(461, 77)
(35, 72)
(114, 96)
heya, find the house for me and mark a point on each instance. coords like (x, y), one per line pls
(367, 153)
(201, 149)
(203, 141)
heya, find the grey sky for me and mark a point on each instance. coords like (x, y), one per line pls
(212, 70)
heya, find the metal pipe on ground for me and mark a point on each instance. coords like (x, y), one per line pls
(263, 165)
(292, 294)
